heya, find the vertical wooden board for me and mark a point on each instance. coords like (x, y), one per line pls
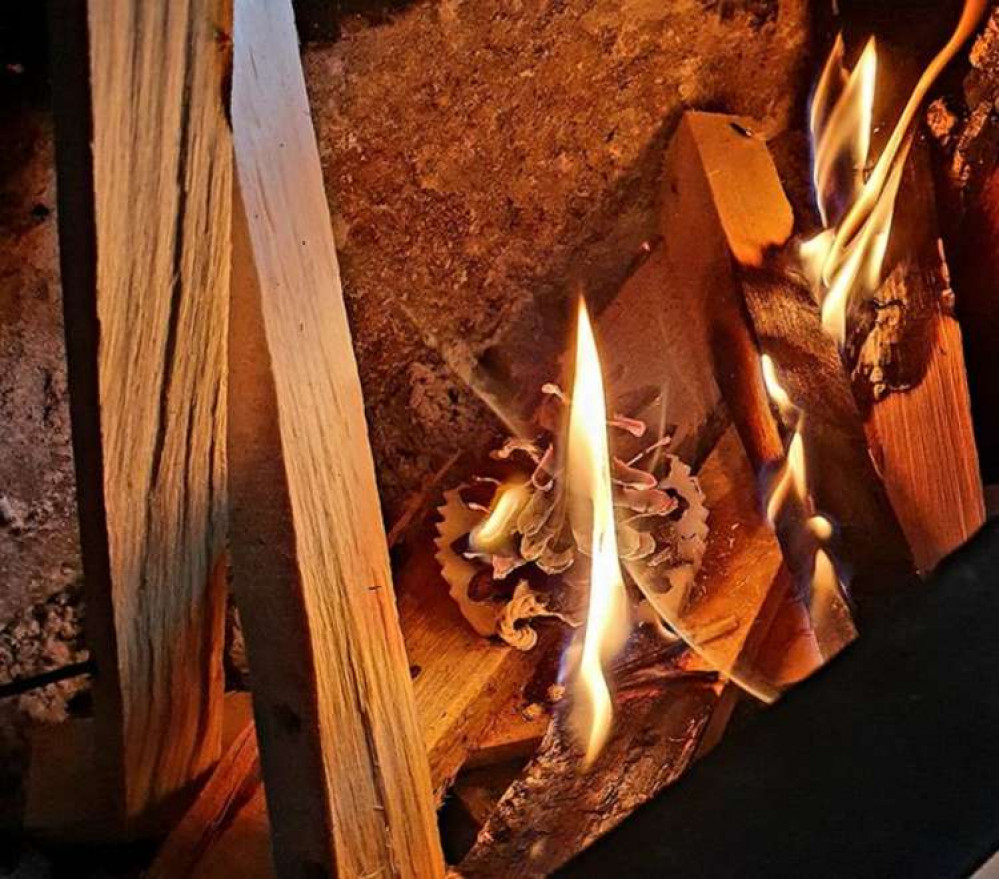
(144, 171)
(347, 779)
(924, 444)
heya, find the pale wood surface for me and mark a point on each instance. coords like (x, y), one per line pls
(348, 783)
(460, 687)
(144, 210)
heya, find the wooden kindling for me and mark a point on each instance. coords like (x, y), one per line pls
(144, 162)
(461, 683)
(347, 780)
(729, 164)
(907, 357)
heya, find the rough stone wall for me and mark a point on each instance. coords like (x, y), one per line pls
(485, 159)
(40, 565)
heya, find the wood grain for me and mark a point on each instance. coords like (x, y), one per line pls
(348, 784)
(145, 179)
(924, 444)
(460, 681)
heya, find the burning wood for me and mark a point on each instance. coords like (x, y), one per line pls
(519, 545)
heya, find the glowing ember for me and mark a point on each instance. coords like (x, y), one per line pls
(592, 512)
(846, 259)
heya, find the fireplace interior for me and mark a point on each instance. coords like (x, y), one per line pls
(491, 438)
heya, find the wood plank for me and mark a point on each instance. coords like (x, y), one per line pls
(144, 183)
(676, 332)
(459, 689)
(348, 784)
(906, 356)
(923, 442)
(662, 717)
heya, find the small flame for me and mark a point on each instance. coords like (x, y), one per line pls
(847, 258)
(589, 481)
(792, 475)
(826, 589)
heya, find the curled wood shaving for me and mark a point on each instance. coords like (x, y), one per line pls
(661, 534)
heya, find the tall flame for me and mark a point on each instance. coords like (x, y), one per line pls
(592, 508)
(847, 258)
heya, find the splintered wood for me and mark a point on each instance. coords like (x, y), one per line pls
(144, 163)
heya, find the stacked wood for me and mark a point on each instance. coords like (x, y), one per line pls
(348, 783)
(460, 681)
(786, 323)
(144, 183)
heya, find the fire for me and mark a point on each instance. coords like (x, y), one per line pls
(826, 589)
(493, 533)
(592, 510)
(846, 259)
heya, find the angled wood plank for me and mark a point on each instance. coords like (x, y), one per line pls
(347, 780)
(144, 163)
(461, 681)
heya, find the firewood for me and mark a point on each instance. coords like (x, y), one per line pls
(144, 183)
(909, 379)
(460, 682)
(348, 783)
(729, 165)
(663, 709)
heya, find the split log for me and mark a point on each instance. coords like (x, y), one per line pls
(675, 335)
(348, 784)
(909, 379)
(664, 709)
(144, 164)
(732, 170)
(460, 682)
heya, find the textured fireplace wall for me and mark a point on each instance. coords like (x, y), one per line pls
(484, 157)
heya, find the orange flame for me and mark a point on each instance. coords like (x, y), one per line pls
(847, 259)
(826, 588)
(589, 480)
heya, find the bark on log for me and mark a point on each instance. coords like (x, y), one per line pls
(348, 784)
(661, 716)
(144, 180)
